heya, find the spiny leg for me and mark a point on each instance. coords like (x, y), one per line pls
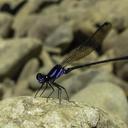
(59, 94)
(62, 88)
(38, 90)
(44, 90)
(51, 92)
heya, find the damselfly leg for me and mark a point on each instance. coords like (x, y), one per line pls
(59, 86)
(44, 90)
(51, 92)
(38, 90)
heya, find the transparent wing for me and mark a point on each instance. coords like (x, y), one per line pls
(87, 47)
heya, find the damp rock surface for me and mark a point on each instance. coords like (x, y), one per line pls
(28, 112)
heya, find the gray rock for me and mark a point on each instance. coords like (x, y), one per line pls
(88, 10)
(8, 88)
(11, 6)
(45, 58)
(106, 96)
(42, 28)
(5, 24)
(120, 44)
(22, 89)
(36, 112)
(30, 68)
(1, 91)
(15, 53)
(35, 6)
(83, 15)
(62, 35)
(91, 12)
(107, 76)
(123, 72)
(33, 83)
(23, 24)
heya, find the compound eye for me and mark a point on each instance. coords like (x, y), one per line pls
(40, 77)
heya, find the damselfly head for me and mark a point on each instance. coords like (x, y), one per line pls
(41, 77)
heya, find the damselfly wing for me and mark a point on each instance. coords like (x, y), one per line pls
(85, 48)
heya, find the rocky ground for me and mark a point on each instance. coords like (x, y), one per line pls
(28, 112)
(37, 34)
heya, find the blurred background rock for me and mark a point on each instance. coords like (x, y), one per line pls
(37, 34)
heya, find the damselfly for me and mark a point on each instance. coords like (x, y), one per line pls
(84, 49)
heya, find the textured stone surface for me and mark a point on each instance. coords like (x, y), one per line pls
(30, 112)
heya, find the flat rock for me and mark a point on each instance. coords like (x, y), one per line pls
(20, 51)
(31, 112)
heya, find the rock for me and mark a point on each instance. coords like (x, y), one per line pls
(36, 112)
(119, 44)
(22, 25)
(45, 58)
(27, 79)
(22, 89)
(1, 91)
(35, 26)
(33, 84)
(15, 53)
(41, 29)
(61, 35)
(123, 72)
(8, 88)
(91, 12)
(11, 6)
(105, 95)
(5, 25)
(35, 6)
(54, 50)
(83, 15)
(107, 76)
(30, 68)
